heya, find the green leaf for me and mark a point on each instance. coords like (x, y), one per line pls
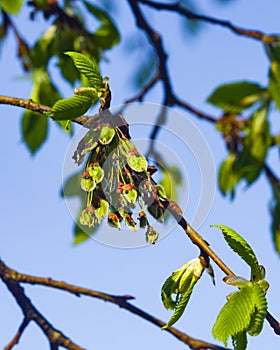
(72, 186)
(180, 286)
(235, 97)
(11, 6)
(83, 233)
(70, 108)
(107, 34)
(235, 316)
(106, 135)
(88, 184)
(260, 311)
(250, 161)
(137, 162)
(273, 50)
(88, 68)
(239, 341)
(274, 82)
(243, 249)
(34, 130)
(228, 178)
(171, 180)
(66, 126)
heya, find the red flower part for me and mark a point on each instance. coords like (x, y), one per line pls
(133, 151)
(86, 174)
(120, 187)
(127, 187)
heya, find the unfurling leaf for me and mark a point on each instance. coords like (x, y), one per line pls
(177, 289)
(244, 312)
(243, 249)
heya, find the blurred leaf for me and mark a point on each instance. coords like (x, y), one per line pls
(83, 233)
(250, 161)
(147, 67)
(72, 186)
(227, 177)
(107, 35)
(235, 97)
(11, 6)
(274, 82)
(66, 126)
(275, 213)
(171, 180)
(34, 130)
(273, 50)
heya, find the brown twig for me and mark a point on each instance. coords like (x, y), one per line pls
(17, 336)
(176, 7)
(56, 338)
(122, 301)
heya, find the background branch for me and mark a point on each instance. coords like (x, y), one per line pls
(14, 278)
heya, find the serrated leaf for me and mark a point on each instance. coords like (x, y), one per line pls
(239, 341)
(260, 311)
(137, 162)
(34, 130)
(11, 6)
(70, 108)
(106, 135)
(235, 315)
(107, 35)
(88, 68)
(234, 97)
(242, 248)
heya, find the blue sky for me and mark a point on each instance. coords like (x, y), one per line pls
(37, 227)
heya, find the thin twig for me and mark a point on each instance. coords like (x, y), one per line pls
(121, 301)
(17, 336)
(56, 338)
(176, 7)
(146, 88)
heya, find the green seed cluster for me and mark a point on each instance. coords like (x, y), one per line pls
(117, 180)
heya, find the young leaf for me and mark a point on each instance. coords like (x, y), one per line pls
(88, 68)
(233, 98)
(96, 172)
(239, 341)
(243, 249)
(260, 310)
(130, 195)
(83, 233)
(102, 210)
(180, 284)
(235, 316)
(228, 178)
(70, 108)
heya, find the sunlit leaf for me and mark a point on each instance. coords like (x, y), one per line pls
(89, 68)
(235, 97)
(106, 135)
(228, 178)
(242, 248)
(137, 162)
(70, 108)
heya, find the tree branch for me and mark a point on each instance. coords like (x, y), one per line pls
(17, 336)
(146, 88)
(176, 7)
(14, 277)
(55, 337)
